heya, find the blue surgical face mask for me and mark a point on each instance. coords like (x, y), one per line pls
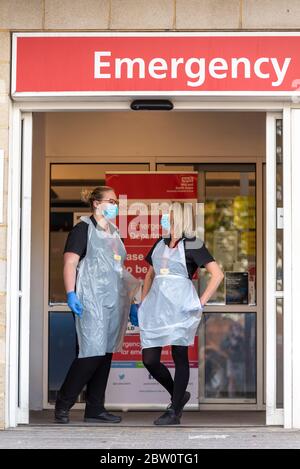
(165, 222)
(110, 212)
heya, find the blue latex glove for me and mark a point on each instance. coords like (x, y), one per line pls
(74, 303)
(133, 315)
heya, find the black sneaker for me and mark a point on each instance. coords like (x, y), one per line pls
(168, 418)
(102, 417)
(61, 416)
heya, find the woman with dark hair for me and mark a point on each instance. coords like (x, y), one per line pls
(99, 293)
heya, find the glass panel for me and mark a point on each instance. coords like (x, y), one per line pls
(279, 206)
(279, 353)
(60, 225)
(230, 227)
(229, 193)
(62, 350)
(67, 181)
(229, 355)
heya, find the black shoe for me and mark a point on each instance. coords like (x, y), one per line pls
(185, 400)
(103, 417)
(61, 416)
(168, 418)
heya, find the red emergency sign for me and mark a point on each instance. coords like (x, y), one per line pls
(159, 64)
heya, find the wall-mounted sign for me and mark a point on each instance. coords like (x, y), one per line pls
(236, 288)
(91, 64)
(140, 230)
(130, 383)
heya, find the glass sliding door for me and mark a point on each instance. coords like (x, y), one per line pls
(230, 225)
(230, 348)
(66, 182)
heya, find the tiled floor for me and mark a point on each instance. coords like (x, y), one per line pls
(145, 419)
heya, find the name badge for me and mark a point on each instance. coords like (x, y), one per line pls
(164, 271)
(117, 257)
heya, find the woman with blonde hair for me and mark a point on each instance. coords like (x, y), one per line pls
(171, 310)
(99, 293)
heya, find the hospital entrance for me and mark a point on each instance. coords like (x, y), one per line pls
(226, 151)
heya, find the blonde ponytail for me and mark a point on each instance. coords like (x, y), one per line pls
(89, 196)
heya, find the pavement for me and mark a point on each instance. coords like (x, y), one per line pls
(199, 430)
(43, 437)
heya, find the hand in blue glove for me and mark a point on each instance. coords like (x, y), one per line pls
(133, 315)
(74, 303)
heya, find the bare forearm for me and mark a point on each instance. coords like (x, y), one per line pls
(211, 288)
(69, 277)
(147, 285)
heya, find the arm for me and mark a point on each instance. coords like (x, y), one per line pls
(215, 280)
(148, 281)
(70, 265)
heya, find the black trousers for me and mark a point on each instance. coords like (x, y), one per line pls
(91, 371)
(177, 387)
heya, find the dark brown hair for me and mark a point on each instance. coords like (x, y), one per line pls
(89, 196)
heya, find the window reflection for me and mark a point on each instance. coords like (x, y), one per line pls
(230, 225)
(229, 355)
(229, 193)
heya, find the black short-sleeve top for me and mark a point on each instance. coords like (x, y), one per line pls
(196, 254)
(77, 238)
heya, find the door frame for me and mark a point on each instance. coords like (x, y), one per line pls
(18, 275)
(274, 416)
(18, 110)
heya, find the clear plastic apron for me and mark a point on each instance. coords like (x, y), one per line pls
(171, 312)
(105, 289)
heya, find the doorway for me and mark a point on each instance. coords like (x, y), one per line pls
(228, 186)
(225, 181)
(231, 334)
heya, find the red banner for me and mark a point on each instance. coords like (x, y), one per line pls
(139, 232)
(95, 63)
(131, 352)
(143, 189)
(154, 186)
